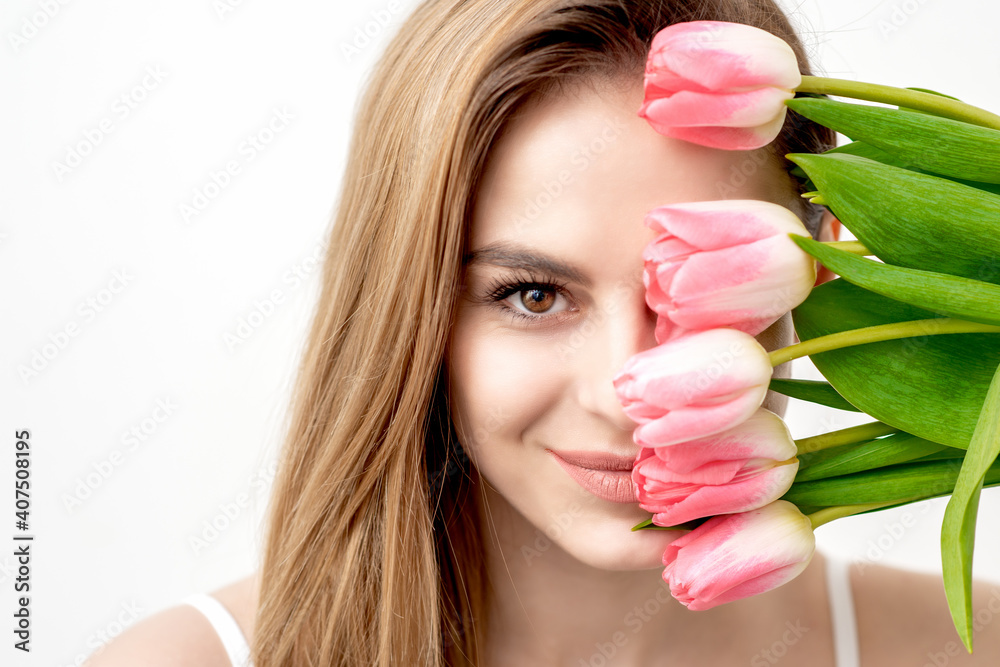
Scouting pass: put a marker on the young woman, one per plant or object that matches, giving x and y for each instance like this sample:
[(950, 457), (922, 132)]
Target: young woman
[(483, 287)]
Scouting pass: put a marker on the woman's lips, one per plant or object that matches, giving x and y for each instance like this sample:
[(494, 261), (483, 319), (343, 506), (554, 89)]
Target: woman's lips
[(609, 476)]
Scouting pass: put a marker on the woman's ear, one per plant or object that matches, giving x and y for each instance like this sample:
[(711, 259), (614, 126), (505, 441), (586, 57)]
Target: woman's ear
[(829, 230)]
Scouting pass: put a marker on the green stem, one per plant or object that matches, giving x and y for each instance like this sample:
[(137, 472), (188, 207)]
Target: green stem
[(856, 247), (933, 326), (846, 436), (828, 514), (912, 99)]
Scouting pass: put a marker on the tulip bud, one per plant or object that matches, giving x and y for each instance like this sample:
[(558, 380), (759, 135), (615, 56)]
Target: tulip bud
[(724, 263), (719, 84), (734, 556), (696, 385), (740, 469)]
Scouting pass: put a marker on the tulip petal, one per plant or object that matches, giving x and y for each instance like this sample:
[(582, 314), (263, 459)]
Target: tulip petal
[(759, 283), (727, 138), (660, 472), (667, 247), (741, 495), (760, 584), (733, 556), (686, 423), (718, 55), (744, 109), (667, 331), (746, 273), (718, 84), (698, 384), (763, 435), (741, 469), (715, 224)]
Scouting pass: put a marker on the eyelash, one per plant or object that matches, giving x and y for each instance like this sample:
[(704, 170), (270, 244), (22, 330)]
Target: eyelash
[(500, 289)]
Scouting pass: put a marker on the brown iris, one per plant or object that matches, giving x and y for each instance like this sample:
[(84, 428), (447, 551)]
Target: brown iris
[(537, 300)]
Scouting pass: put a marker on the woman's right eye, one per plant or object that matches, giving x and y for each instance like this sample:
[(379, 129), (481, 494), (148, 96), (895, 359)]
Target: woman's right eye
[(529, 300), (536, 299)]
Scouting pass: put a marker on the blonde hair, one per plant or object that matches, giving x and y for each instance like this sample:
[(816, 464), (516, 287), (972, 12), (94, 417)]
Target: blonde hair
[(373, 550)]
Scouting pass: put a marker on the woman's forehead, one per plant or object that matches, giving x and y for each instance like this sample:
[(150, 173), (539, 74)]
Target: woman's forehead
[(583, 156)]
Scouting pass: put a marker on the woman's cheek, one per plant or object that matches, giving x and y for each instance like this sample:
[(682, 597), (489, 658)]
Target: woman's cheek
[(504, 384)]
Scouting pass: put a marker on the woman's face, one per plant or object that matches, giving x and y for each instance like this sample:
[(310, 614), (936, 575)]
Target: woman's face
[(554, 304)]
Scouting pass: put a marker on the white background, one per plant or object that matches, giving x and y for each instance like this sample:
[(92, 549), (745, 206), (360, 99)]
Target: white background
[(160, 337)]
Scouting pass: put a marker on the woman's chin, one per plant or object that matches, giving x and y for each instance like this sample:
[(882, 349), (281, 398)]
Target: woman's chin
[(631, 550)]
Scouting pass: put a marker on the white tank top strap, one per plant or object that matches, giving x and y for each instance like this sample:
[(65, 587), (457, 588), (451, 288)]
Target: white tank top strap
[(845, 626), (225, 626)]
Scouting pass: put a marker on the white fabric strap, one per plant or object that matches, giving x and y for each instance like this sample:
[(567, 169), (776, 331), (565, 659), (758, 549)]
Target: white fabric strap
[(225, 626), (845, 625)]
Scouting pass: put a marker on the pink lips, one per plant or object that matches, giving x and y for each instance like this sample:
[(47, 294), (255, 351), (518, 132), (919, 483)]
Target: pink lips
[(605, 475)]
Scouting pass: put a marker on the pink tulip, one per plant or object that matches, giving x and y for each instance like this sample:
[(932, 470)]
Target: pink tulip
[(696, 385), (724, 263), (719, 84), (741, 469), (733, 556)]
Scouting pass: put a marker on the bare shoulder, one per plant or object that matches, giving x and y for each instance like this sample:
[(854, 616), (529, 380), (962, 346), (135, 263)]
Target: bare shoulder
[(903, 619), (180, 636)]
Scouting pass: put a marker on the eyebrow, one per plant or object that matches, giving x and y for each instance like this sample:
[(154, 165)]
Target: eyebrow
[(514, 256)]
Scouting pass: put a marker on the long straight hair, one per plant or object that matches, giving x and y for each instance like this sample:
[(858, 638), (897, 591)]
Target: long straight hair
[(373, 551)]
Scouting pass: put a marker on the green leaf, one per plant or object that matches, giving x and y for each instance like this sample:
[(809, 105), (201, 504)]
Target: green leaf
[(862, 149), (879, 453), (944, 294), (908, 482), (932, 92), (809, 459), (932, 386), (941, 145), (910, 219), (649, 525), (813, 391), (946, 453), (958, 530)]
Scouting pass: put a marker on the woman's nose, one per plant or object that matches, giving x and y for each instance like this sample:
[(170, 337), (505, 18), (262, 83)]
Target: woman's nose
[(623, 326)]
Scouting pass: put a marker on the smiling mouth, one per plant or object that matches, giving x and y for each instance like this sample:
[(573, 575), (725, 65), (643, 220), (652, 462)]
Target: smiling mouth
[(612, 485), (601, 461)]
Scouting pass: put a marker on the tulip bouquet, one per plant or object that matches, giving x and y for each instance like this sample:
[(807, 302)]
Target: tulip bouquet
[(911, 338)]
